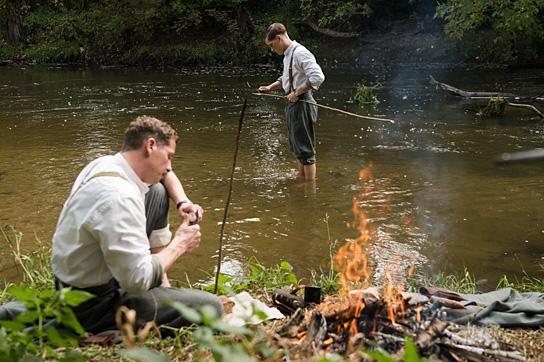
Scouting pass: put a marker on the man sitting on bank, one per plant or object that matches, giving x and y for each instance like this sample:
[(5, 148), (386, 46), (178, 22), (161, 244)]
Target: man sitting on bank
[(101, 243)]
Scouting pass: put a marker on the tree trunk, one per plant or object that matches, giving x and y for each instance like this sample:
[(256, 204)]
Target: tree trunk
[(244, 22), (16, 32)]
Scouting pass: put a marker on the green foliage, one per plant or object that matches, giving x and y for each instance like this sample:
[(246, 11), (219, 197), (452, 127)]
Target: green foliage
[(525, 284), (517, 25), (328, 279), (53, 36), (27, 339), (495, 107), (354, 17), (231, 31), (465, 283), (260, 278), (365, 94), (279, 276), (334, 14), (247, 344), (28, 335), (266, 279), (33, 268)]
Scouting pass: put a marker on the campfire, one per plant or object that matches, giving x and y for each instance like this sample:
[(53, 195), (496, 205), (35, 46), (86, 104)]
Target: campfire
[(364, 317)]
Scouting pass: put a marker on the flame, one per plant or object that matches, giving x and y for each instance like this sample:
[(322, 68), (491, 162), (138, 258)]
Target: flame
[(393, 298), (352, 259)]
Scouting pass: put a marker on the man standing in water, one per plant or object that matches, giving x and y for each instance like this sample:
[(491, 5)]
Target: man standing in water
[(101, 244), (301, 75)]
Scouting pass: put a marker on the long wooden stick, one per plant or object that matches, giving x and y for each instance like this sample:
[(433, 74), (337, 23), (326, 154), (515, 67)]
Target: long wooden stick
[(228, 197), (327, 107)]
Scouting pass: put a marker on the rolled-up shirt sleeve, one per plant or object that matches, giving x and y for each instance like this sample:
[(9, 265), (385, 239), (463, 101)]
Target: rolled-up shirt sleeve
[(311, 69)]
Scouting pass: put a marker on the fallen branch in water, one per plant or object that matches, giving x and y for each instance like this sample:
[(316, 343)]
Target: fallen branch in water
[(500, 96), (528, 106), (465, 94), (327, 107)]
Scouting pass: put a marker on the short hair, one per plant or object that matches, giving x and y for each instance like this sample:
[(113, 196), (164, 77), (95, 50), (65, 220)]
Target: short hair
[(142, 128), (274, 30)]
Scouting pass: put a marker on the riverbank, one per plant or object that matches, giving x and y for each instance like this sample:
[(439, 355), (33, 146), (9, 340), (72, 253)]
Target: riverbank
[(407, 42), (214, 339)]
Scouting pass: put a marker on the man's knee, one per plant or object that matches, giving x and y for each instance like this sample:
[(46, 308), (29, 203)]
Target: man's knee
[(307, 161), (157, 196), (156, 208)]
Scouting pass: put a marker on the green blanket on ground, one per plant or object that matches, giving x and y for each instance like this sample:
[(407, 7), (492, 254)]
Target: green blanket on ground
[(506, 308)]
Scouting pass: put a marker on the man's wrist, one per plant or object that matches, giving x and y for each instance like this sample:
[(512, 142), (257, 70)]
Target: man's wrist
[(186, 201), (297, 94)]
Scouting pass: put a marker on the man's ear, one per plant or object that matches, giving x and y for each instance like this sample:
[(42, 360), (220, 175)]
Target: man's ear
[(150, 144)]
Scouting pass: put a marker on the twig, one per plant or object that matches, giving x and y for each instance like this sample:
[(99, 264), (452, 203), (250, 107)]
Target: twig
[(330, 108), (228, 197), (522, 105)]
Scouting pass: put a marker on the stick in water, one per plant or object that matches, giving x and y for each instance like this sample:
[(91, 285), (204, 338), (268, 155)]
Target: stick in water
[(228, 197), (330, 108)]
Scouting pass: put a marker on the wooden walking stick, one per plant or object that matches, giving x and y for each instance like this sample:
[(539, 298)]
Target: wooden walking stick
[(330, 108), (228, 197)]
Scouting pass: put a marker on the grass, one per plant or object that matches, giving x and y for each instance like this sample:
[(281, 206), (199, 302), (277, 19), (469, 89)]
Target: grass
[(213, 339)]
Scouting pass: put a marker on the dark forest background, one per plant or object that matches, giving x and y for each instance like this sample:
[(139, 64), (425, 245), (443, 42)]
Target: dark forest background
[(230, 32)]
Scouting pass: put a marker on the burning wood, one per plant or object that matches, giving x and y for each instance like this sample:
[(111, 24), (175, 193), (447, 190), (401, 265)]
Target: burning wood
[(346, 326), (372, 319)]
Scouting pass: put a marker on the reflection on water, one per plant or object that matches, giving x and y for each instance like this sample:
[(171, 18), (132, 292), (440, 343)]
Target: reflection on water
[(448, 206)]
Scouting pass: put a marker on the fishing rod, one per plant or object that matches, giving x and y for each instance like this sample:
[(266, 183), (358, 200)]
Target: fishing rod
[(327, 107), (228, 197)]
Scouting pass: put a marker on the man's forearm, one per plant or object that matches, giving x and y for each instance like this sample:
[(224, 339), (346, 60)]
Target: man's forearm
[(174, 188)]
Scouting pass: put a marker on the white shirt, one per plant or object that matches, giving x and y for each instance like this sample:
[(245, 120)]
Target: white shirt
[(101, 230), (305, 68)]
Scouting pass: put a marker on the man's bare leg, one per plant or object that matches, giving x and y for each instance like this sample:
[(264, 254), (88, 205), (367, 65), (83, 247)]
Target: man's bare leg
[(308, 171)]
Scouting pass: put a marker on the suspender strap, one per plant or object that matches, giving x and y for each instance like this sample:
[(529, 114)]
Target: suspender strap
[(100, 174), (291, 70), (106, 173)]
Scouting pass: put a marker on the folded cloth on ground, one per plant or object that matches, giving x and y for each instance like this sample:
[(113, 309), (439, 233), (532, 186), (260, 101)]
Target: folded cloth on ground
[(242, 312), (504, 308)]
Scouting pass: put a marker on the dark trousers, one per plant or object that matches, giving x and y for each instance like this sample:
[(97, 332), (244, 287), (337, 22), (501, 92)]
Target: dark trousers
[(301, 118), (156, 208), (98, 314)]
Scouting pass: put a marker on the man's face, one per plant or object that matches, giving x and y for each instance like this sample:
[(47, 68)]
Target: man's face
[(276, 44), (160, 161)]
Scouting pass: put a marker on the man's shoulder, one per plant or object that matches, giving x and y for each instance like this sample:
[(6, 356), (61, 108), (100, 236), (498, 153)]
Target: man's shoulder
[(107, 168), (108, 164)]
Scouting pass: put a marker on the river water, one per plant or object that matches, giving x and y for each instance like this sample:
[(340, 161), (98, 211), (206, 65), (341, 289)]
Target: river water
[(431, 195)]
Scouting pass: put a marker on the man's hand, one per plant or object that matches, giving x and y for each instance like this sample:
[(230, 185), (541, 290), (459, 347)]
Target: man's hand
[(291, 97), (190, 211), (186, 239)]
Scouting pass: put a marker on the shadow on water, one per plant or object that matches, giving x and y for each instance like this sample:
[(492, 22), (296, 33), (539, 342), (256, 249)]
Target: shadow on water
[(443, 204)]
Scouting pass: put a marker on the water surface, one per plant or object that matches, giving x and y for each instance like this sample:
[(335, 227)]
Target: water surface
[(434, 200)]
